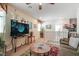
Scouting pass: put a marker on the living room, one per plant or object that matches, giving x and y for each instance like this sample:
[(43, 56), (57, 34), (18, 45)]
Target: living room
[(49, 26)]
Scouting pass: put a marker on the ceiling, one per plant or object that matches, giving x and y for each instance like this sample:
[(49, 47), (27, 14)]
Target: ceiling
[(49, 11)]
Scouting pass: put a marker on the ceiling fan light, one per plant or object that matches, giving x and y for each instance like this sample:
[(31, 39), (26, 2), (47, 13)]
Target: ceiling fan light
[(40, 7)]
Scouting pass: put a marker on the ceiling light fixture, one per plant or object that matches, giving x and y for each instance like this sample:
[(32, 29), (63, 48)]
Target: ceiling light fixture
[(40, 3)]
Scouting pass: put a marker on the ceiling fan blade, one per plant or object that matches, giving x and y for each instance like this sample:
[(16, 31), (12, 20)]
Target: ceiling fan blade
[(28, 3), (52, 3)]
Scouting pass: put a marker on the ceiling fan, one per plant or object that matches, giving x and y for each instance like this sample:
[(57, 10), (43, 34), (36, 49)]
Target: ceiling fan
[(40, 5)]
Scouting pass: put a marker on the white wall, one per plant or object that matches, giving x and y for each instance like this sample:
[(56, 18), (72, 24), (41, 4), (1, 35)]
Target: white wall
[(55, 22), (55, 34)]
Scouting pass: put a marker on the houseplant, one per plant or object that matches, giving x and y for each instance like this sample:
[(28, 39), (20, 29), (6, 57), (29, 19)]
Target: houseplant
[(1, 47)]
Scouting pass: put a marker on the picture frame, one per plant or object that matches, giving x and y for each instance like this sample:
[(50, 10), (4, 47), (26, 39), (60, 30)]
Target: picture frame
[(35, 25), (48, 26)]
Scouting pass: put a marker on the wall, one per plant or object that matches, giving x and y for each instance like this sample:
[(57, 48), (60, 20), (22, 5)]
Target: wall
[(78, 20), (11, 14), (55, 32), (56, 21)]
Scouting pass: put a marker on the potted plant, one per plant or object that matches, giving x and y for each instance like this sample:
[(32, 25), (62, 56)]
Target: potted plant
[(1, 46)]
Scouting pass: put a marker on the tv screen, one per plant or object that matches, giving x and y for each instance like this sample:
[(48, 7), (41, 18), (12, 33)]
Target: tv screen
[(18, 29)]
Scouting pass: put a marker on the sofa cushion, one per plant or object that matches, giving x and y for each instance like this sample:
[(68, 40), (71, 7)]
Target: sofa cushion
[(73, 42)]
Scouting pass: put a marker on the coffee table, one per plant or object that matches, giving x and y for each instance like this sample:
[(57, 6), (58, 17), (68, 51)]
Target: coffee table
[(40, 48)]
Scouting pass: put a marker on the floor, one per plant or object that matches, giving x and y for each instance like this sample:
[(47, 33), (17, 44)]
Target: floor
[(20, 50)]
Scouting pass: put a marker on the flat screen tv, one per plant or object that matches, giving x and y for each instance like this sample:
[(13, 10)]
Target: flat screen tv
[(18, 29)]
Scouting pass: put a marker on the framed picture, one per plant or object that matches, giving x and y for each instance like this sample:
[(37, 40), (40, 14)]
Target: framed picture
[(48, 26), (35, 25)]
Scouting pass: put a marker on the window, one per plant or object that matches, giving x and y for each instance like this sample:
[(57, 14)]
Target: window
[(39, 27), (2, 21), (58, 27)]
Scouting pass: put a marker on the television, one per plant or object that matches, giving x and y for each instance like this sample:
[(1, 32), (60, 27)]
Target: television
[(19, 29)]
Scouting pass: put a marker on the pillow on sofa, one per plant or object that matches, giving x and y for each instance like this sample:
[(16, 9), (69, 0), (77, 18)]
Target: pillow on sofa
[(74, 42)]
